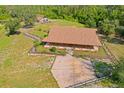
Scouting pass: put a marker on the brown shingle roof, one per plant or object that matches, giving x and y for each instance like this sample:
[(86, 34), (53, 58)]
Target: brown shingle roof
[(73, 35)]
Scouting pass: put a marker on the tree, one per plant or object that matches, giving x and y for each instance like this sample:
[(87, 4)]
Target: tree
[(104, 17), (120, 31), (11, 26), (53, 49), (108, 27), (118, 73), (4, 14), (29, 20)]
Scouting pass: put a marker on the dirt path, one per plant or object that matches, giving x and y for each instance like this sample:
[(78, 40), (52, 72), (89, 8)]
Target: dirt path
[(26, 31), (33, 37)]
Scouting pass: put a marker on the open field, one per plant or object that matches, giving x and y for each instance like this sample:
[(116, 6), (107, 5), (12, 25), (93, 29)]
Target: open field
[(66, 23), (17, 69), (117, 49)]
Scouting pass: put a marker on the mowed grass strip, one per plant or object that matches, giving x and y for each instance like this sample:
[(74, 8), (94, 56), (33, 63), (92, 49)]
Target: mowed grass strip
[(93, 54), (41, 49)]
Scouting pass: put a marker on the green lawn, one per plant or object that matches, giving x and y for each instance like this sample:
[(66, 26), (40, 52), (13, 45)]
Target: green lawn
[(116, 49), (41, 30), (67, 23), (99, 54), (17, 69), (44, 50)]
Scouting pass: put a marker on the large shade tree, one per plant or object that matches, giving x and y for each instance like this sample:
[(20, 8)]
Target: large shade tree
[(11, 26), (120, 31), (108, 27)]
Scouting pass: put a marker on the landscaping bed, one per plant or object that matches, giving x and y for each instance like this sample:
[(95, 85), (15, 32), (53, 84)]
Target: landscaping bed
[(101, 69), (54, 51), (92, 54)]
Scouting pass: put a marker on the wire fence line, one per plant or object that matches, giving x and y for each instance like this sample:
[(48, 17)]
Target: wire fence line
[(109, 53), (85, 83)]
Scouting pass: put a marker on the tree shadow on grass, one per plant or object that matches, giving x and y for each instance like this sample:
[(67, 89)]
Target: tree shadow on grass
[(28, 26), (116, 41), (16, 33)]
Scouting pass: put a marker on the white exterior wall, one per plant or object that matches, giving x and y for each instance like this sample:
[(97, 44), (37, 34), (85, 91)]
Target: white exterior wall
[(95, 48), (85, 49)]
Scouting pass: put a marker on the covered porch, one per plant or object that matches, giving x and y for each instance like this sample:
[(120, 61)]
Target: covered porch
[(72, 46)]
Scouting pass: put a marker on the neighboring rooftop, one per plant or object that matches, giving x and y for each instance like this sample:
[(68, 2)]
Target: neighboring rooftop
[(73, 35)]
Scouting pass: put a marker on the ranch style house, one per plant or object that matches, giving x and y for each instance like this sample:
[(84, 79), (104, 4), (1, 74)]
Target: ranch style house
[(68, 37)]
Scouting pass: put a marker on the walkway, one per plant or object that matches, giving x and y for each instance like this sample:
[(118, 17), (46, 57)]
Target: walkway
[(69, 70)]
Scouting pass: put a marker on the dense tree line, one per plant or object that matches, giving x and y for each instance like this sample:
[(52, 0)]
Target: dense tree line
[(109, 19)]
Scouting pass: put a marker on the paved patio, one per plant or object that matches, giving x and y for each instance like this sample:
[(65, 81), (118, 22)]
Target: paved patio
[(69, 70)]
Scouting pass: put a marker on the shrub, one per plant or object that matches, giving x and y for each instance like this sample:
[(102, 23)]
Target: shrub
[(11, 26), (53, 49), (102, 68), (45, 35), (42, 43), (120, 31), (39, 29), (37, 43)]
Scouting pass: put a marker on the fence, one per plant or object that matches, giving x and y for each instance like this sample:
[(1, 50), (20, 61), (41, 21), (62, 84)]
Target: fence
[(109, 53), (85, 83)]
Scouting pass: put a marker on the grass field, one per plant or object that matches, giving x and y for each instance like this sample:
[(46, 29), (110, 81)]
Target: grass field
[(116, 49), (17, 69), (99, 54), (40, 30), (67, 23)]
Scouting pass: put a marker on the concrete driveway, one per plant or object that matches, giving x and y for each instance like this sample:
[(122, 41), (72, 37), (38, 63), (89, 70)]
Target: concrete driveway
[(68, 70)]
